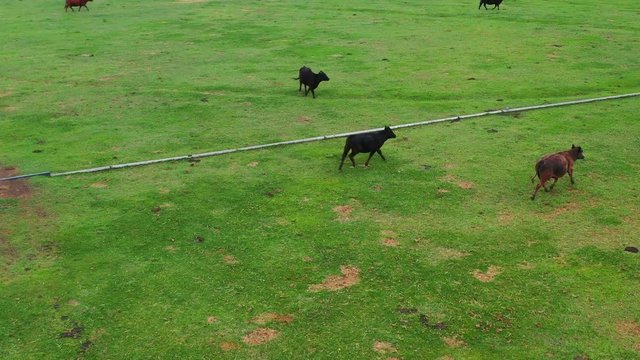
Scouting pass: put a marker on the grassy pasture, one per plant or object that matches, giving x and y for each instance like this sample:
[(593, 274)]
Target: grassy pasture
[(446, 257)]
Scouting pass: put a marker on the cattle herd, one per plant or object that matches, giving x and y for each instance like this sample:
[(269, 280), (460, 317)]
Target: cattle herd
[(552, 166)]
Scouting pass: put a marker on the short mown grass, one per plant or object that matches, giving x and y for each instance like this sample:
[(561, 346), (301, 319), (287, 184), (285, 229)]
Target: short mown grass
[(454, 261)]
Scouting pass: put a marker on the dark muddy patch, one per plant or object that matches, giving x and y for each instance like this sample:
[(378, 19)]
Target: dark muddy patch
[(631, 249), (404, 310), (84, 347), (73, 333)]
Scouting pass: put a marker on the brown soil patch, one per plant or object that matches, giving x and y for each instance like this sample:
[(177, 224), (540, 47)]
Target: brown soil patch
[(212, 319), (100, 184), (303, 119), (628, 328), (170, 248), (449, 166), (383, 347), (231, 260), (73, 303), (505, 218), (307, 259), (13, 189), (390, 242), (491, 273), (253, 164), (5, 93), (343, 212), (228, 346), (270, 317), (449, 254), (525, 265), (443, 191), (260, 336), (563, 209), (460, 183), (350, 276), (453, 341)]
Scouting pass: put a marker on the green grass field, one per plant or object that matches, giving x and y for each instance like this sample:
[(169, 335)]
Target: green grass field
[(442, 253)]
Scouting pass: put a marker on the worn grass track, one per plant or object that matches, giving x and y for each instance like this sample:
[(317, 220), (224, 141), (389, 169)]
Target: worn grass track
[(437, 253)]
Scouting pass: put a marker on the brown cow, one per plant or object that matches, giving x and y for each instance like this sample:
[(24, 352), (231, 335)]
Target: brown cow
[(555, 166), (79, 3)]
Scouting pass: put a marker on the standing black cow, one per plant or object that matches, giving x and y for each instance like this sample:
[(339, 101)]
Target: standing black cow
[(496, 3), (308, 78), (368, 142)]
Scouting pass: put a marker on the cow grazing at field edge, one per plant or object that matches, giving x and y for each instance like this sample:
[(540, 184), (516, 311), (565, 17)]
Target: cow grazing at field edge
[(78, 3), (368, 142), (554, 166), (308, 78), (496, 3)]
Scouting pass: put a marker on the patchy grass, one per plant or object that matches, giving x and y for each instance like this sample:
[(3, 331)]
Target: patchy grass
[(277, 254)]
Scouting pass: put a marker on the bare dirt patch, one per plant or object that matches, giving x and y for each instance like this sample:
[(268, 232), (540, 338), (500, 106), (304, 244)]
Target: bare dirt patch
[(100, 184), (391, 242), (260, 336), (383, 347), (231, 260), (562, 210), (350, 276), (491, 273), (13, 189), (268, 317), (253, 164), (628, 328), (228, 346), (460, 183), (453, 341), (525, 265), (505, 218), (449, 254), (343, 212), (303, 119), (212, 319)]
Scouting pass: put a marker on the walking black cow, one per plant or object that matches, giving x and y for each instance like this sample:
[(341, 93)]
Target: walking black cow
[(309, 79), (368, 142), (496, 3)]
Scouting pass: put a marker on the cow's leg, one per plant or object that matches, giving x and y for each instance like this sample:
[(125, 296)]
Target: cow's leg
[(305, 90), (570, 172), (555, 180), (353, 162), (344, 156), (538, 186), (382, 156), (370, 155), (313, 93)]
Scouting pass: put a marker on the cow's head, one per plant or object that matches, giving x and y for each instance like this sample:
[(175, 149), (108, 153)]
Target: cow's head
[(322, 76), (578, 151), (389, 132)]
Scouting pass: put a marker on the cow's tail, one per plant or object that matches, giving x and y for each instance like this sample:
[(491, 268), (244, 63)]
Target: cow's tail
[(298, 78), (538, 166)]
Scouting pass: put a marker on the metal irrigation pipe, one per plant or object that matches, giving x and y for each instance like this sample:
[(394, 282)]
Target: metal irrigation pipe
[(325, 137)]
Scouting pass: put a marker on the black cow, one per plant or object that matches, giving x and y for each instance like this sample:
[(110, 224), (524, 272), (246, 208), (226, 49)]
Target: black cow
[(496, 3), (308, 78), (368, 142)]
